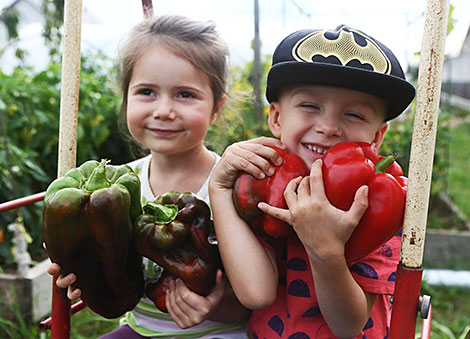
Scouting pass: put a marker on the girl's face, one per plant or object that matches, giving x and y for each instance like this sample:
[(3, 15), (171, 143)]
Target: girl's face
[(170, 103), (311, 119)]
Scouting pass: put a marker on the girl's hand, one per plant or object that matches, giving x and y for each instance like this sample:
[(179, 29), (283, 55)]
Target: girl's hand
[(251, 156), (188, 308), (322, 228), (65, 282)]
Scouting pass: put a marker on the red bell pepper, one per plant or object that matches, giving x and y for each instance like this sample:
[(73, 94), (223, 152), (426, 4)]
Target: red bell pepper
[(173, 231), (348, 166), (249, 191)]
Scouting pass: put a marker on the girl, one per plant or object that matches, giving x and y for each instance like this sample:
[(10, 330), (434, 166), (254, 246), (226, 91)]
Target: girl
[(173, 79)]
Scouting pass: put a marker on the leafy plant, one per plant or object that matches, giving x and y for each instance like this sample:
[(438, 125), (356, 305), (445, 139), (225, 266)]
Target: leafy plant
[(237, 121), (451, 311), (15, 326), (29, 123)]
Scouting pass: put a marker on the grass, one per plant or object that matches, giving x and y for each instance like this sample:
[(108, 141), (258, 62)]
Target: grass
[(458, 174), (455, 180), (84, 325), (451, 312), (451, 319)]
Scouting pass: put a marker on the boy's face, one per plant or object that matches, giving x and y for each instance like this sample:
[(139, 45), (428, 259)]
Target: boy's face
[(310, 119)]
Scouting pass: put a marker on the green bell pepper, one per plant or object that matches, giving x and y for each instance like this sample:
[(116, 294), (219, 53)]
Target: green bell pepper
[(88, 220)]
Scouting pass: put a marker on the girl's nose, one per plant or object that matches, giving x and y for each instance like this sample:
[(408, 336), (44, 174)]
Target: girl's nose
[(164, 110)]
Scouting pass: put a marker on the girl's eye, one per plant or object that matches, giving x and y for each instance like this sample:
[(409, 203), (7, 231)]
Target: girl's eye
[(186, 94), (145, 91)]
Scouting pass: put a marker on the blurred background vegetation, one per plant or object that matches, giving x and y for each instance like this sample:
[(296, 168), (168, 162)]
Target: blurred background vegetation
[(29, 120)]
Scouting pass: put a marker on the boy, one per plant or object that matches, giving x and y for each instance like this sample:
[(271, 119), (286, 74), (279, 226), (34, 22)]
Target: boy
[(324, 87)]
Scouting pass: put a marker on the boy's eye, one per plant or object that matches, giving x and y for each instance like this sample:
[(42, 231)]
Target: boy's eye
[(355, 115), (310, 106)]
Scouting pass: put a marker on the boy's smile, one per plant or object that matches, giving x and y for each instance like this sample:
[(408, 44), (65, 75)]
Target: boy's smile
[(310, 119)]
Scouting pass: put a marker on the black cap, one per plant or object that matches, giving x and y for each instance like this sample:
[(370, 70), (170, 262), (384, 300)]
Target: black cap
[(344, 57)]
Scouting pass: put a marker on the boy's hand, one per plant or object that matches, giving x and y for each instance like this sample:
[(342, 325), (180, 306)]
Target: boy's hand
[(188, 308), (322, 228), (65, 282), (252, 156)]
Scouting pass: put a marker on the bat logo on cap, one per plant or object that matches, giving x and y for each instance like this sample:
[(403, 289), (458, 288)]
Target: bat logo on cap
[(344, 48)]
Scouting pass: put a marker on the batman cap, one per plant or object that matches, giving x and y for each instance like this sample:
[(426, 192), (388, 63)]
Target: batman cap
[(344, 57)]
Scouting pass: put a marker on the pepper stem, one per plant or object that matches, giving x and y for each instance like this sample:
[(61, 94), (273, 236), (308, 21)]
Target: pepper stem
[(164, 214), (385, 163), (97, 179)]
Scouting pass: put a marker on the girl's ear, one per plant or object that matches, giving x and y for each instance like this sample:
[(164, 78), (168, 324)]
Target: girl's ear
[(274, 119), (217, 109), (379, 135)]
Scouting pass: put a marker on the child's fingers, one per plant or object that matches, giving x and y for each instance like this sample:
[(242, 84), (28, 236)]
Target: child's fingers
[(275, 212), (316, 180), (253, 150), (359, 204), (215, 296), (53, 269), (304, 187), (267, 141), (290, 192), (188, 307), (173, 308), (73, 294), (64, 282)]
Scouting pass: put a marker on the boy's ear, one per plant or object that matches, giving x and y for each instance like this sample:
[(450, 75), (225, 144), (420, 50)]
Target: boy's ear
[(379, 135), (274, 119)]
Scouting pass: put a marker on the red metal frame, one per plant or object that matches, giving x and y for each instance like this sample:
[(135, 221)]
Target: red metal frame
[(46, 324), (30, 199), (405, 303), (426, 328)]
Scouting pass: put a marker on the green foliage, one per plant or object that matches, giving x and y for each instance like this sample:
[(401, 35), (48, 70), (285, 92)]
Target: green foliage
[(84, 324), (398, 140), (459, 178), (29, 123), (451, 311), (53, 11), (10, 20), (14, 325), (237, 121)]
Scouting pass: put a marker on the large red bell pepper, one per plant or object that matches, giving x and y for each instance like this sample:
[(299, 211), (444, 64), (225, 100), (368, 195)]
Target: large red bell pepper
[(348, 166), (249, 191)]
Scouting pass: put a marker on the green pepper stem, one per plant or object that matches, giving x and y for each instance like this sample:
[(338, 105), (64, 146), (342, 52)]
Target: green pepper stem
[(164, 214), (97, 179), (385, 163)]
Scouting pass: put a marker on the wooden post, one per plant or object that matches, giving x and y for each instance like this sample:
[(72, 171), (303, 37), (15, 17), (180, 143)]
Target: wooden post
[(67, 139), (420, 170), (256, 73)]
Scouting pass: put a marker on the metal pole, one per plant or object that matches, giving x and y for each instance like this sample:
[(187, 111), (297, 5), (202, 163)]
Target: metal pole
[(420, 170), (60, 328)]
